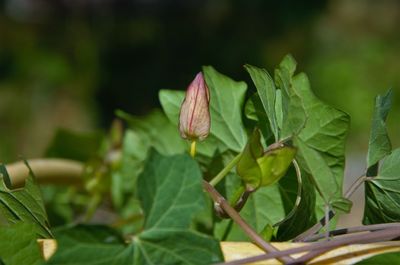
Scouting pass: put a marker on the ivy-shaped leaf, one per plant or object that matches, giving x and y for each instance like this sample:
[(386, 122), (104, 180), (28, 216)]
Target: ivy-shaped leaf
[(18, 245), (382, 193), (24, 205), (90, 245), (171, 193), (322, 141), (170, 190), (226, 102), (379, 143)]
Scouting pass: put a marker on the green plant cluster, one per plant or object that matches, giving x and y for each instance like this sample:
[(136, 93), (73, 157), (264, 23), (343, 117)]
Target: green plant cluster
[(291, 150)]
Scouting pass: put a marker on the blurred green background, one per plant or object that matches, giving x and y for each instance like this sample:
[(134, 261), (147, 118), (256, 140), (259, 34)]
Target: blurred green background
[(70, 63)]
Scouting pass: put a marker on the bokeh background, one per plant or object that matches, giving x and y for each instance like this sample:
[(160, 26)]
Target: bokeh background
[(72, 63)]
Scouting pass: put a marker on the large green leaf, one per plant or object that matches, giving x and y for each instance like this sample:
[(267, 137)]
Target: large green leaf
[(264, 207), (180, 247), (90, 245), (24, 204), (254, 111), (156, 131), (267, 92), (171, 101), (18, 245), (170, 189), (226, 102), (153, 130), (322, 141), (383, 192), (379, 143), (304, 215), (289, 103)]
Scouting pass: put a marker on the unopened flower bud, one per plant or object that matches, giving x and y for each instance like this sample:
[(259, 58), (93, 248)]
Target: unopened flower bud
[(194, 119)]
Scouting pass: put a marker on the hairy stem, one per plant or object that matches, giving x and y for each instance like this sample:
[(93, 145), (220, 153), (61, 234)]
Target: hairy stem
[(220, 200), (225, 170)]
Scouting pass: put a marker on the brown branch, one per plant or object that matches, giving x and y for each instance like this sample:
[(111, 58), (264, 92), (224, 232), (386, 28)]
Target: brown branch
[(386, 234), (220, 200)]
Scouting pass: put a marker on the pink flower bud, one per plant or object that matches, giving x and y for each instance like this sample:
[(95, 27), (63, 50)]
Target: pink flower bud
[(194, 119)]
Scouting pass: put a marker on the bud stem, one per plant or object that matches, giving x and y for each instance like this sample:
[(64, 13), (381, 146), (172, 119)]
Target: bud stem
[(193, 148), (225, 170)]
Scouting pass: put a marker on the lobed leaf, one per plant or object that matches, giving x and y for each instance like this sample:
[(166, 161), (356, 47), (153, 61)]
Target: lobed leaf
[(24, 205), (267, 93), (226, 101), (382, 193), (18, 245)]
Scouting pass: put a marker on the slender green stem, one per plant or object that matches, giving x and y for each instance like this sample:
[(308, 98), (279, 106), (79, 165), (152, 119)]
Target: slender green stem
[(193, 148), (225, 170)]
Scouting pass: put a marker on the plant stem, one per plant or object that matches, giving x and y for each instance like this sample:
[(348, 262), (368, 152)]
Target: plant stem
[(386, 234), (220, 200), (315, 228), (193, 148), (225, 170)]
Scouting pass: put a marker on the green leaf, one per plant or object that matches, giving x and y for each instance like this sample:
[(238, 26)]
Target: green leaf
[(379, 143), (226, 101), (134, 153), (304, 216), (247, 167), (292, 115), (262, 208), (382, 193), (178, 246), (90, 245), (257, 168), (171, 194), (156, 131), (267, 92), (170, 187), (74, 145), (24, 204), (275, 163), (171, 101), (18, 245), (254, 111), (322, 141), (386, 258)]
